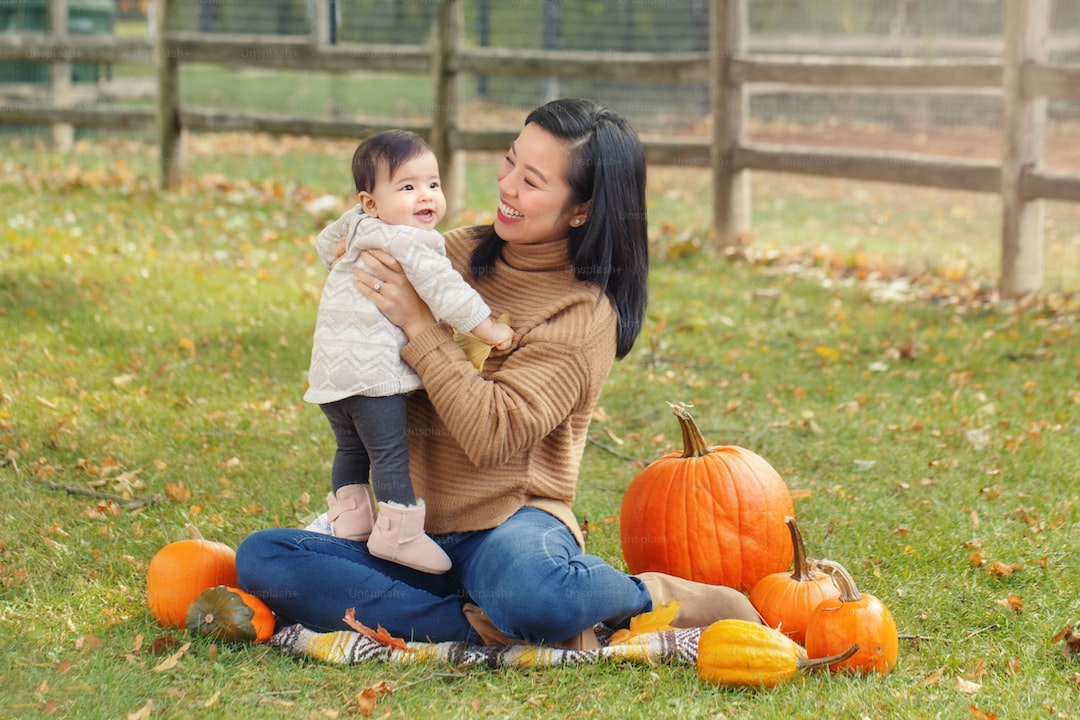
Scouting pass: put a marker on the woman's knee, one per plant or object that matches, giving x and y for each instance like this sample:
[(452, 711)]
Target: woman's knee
[(536, 615), (250, 555)]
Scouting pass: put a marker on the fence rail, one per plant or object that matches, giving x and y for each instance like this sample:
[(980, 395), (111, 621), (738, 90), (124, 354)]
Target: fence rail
[(1024, 79)]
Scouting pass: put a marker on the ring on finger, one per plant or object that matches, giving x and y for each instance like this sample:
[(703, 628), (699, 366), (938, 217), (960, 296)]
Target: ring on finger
[(378, 285)]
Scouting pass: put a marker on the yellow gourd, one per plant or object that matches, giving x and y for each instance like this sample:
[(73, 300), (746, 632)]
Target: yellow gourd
[(738, 652)]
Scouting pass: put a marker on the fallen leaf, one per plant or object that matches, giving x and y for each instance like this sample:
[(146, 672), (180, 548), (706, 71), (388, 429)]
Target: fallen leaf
[(613, 437), (379, 634), (163, 645), (89, 642), (474, 348), (966, 686), (177, 491), (124, 380), (933, 678), (366, 699), (657, 620), (1000, 569), (170, 662), (143, 712), (981, 714), (1013, 602), (1072, 641)]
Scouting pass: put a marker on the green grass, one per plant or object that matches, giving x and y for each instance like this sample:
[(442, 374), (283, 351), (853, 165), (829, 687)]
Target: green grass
[(163, 339)]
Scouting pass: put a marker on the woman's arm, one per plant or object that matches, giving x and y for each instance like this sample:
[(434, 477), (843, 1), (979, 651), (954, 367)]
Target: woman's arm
[(495, 416)]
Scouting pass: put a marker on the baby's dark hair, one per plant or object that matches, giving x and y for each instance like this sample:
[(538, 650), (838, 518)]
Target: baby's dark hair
[(391, 148)]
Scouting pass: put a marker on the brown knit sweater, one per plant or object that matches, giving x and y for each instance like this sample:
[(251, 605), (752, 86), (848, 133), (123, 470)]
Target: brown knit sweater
[(483, 445)]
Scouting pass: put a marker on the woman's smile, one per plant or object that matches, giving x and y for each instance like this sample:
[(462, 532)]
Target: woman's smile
[(507, 213)]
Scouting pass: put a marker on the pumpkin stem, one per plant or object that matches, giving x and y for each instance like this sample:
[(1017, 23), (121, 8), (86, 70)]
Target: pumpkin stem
[(193, 531), (842, 579), (803, 571), (694, 444), (815, 663)]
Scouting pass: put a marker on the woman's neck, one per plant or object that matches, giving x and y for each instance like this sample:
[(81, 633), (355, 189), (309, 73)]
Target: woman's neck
[(551, 255)]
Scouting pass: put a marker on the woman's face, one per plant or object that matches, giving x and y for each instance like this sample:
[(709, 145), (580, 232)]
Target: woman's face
[(534, 196)]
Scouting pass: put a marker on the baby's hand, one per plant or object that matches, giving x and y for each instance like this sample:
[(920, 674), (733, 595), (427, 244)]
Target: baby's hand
[(339, 249), (501, 335)]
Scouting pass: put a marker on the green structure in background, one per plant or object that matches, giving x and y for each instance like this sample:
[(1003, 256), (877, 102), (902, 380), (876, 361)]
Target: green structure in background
[(84, 17)]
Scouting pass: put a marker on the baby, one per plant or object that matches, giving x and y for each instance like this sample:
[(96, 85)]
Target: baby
[(357, 376)]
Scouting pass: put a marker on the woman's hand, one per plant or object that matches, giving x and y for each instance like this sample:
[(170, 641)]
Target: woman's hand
[(392, 292)]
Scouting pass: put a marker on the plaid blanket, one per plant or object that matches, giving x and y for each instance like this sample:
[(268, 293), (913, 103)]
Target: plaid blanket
[(346, 647)]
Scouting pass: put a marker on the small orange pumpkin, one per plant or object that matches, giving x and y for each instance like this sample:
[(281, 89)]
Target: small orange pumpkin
[(183, 569), (785, 600), (854, 617), (710, 514), (230, 614)]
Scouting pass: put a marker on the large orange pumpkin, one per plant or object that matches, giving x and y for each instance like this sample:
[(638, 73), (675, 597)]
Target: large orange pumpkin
[(181, 570), (710, 514), (785, 600)]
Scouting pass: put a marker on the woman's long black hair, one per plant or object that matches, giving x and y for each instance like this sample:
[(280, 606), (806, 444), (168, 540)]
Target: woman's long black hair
[(611, 249)]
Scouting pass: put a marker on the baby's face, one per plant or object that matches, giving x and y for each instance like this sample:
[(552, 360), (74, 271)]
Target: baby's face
[(412, 196)]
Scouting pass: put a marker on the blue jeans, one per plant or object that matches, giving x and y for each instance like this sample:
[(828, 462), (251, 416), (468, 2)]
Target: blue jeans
[(528, 574)]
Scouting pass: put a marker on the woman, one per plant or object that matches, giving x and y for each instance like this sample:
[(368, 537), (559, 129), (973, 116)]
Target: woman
[(496, 454)]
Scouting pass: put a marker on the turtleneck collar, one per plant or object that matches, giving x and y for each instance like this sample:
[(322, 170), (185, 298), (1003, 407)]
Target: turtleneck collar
[(538, 256)]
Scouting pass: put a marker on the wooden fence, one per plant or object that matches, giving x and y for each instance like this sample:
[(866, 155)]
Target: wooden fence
[(1024, 79)]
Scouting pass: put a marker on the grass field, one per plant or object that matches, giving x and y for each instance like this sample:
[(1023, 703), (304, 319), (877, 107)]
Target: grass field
[(153, 362)]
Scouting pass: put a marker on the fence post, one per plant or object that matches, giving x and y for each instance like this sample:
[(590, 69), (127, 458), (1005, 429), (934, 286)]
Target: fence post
[(731, 187), (1027, 25), (322, 27), (168, 100), (60, 90), (445, 111)]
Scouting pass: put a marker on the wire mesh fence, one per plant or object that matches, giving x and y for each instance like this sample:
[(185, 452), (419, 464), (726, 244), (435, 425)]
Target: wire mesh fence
[(844, 28), (904, 28)]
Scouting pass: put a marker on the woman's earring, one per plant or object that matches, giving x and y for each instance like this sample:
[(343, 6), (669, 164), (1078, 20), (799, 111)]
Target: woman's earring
[(576, 222)]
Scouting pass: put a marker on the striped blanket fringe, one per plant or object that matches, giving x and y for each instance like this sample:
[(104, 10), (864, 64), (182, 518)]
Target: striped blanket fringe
[(346, 647)]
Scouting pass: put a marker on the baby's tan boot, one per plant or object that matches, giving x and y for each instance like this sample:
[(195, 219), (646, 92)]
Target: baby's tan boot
[(399, 536), (351, 512)]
